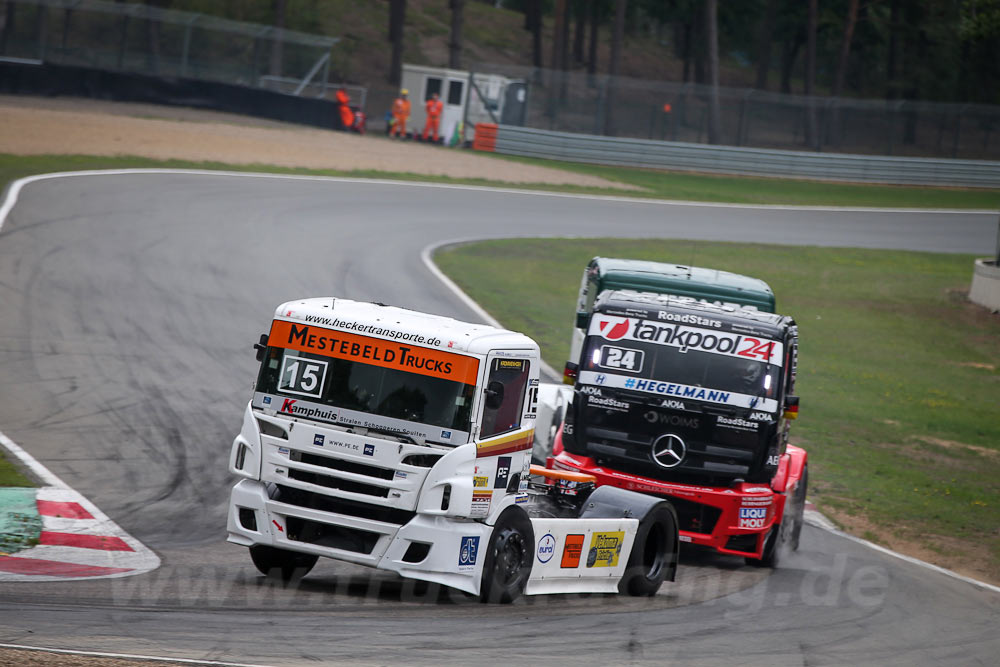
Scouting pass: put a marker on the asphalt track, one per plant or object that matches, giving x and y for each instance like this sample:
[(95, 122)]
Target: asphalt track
[(128, 305)]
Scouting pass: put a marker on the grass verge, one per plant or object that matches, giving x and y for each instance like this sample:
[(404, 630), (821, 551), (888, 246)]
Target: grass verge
[(654, 184), (899, 373)]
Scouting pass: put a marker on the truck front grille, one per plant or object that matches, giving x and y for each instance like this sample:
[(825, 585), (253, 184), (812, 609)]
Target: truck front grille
[(338, 483), (322, 503), (342, 465)]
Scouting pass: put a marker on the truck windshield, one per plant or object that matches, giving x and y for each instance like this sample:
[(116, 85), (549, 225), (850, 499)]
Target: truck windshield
[(635, 360), (367, 390)]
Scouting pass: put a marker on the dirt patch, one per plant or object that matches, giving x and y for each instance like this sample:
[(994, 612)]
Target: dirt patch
[(48, 659), (60, 126), (966, 557), (952, 444)]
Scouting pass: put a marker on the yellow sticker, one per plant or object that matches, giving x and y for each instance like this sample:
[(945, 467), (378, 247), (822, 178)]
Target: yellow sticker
[(605, 549), (480, 482)]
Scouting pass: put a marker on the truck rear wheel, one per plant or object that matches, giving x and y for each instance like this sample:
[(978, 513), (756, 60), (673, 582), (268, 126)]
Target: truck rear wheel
[(654, 546), (508, 557), (280, 563)]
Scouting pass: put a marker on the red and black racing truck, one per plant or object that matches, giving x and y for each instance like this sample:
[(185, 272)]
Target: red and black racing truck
[(690, 398)]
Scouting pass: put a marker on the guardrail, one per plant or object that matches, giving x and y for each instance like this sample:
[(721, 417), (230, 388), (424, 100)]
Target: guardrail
[(676, 156)]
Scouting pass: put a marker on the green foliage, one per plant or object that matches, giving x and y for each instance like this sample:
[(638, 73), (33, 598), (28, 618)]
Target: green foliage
[(899, 375)]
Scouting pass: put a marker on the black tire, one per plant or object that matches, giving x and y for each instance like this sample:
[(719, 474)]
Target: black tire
[(769, 558), (800, 508), (653, 553), (508, 557), (280, 563)]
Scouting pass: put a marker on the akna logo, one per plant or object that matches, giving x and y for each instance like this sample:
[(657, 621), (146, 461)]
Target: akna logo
[(613, 328)]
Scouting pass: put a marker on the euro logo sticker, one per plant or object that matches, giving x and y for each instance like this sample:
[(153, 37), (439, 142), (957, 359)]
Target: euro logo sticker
[(546, 548)]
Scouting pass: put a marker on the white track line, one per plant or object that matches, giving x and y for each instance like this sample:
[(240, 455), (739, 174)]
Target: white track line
[(130, 656), (17, 185), (138, 561)]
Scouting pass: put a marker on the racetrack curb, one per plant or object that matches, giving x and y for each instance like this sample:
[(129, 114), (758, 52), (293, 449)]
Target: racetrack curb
[(77, 541)]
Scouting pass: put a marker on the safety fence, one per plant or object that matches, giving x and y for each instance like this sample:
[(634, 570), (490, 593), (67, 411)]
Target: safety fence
[(677, 156), (620, 106), (165, 43)]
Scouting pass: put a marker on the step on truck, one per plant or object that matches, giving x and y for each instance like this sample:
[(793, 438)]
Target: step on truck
[(689, 397), (402, 441)]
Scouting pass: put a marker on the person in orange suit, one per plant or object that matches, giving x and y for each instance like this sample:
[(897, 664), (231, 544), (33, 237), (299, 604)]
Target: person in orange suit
[(434, 108), (346, 115), (400, 112)]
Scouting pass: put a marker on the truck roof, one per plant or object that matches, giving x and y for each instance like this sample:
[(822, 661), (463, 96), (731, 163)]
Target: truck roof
[(630, 303), (683, 280), (401, 325)]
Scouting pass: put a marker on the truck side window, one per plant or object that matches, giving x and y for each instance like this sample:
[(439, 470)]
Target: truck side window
[(504, 396)]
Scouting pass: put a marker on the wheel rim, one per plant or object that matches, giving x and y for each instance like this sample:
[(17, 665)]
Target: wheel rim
[(510, 557)]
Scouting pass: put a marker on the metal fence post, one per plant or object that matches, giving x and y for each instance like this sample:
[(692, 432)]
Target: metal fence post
[(996, 257), (187, 43)]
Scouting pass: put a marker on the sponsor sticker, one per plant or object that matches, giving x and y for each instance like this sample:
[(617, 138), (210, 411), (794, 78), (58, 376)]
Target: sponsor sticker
[(687, 338), (318, 440), (267, 400), (679, 390), (572, 550), (480, 481), (503, 472), (468, 552), (374, 351), (605, 549), (521, 500), (546, 548), (400, 474), (369, 450), (284, 450), (480, 503), (446, 435), (753, 517)]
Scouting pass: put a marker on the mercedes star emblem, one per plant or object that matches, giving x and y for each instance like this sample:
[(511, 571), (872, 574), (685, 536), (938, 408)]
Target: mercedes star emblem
[(669, 450)]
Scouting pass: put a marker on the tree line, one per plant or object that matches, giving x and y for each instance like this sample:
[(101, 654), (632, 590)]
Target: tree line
[(935, 50)]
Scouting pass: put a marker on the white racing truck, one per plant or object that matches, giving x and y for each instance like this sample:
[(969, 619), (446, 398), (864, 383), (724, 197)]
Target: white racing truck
[(402, 441)]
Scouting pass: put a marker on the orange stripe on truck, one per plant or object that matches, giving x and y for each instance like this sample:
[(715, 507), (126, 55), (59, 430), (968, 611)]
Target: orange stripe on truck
[(505, 444), (374, 351)]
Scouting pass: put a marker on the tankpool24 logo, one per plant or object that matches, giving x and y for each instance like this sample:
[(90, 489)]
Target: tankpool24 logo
[(612, 328)]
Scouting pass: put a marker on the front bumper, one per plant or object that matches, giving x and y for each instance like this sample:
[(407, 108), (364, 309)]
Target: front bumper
[(732, 520), (426, 547)]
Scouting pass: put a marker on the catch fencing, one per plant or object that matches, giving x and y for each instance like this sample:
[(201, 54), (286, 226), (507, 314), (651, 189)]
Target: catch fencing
[(147, 40), (624, 107)]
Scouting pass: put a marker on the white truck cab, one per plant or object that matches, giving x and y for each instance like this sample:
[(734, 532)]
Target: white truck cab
[(402, 441)]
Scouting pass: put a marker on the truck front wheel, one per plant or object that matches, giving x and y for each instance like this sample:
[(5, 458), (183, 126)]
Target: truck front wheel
[(655, 544), (280, 563), (508, 557)]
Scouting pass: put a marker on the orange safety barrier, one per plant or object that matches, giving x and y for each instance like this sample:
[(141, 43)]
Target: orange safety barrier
[(485, 138), (564, 475)]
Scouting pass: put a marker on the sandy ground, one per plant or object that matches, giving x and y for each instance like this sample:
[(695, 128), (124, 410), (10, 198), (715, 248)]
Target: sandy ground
[(67, 126)]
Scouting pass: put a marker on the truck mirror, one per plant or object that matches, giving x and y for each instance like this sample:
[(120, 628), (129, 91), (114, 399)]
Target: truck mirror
[(581, 319), (261, 347), (494, 395), (791, 407), (570, 372)]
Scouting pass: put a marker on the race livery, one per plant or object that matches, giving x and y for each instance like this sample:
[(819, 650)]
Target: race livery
[(689, 399), (402, 441)]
